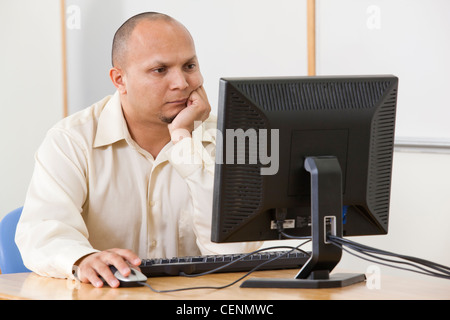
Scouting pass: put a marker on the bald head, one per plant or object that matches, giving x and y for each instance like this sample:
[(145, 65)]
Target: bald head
[(123, 34)]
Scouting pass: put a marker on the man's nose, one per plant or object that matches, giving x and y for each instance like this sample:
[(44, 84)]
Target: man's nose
[(179, 80)]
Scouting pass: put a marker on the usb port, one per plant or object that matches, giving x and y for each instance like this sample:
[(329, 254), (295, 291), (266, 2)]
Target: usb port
[(330, 227)]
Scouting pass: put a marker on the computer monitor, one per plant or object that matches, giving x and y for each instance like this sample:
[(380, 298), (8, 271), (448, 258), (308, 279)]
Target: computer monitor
[(310, 154)]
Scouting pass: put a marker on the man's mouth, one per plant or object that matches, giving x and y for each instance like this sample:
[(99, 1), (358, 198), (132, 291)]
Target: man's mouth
[(179, 101)]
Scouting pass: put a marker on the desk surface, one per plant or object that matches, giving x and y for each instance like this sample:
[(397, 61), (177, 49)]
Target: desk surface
[(32, 286)]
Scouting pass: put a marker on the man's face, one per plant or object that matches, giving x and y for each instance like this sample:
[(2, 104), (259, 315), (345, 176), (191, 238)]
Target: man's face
[(160, 72)]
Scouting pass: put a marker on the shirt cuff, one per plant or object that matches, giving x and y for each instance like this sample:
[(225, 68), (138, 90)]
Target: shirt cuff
[(67, 260)]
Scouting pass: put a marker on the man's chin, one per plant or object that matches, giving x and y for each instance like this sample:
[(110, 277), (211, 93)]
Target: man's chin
[(167, 120), (169, 117)]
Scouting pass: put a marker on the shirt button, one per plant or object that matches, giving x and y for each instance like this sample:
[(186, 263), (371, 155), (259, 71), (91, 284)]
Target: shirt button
[(154, 243)]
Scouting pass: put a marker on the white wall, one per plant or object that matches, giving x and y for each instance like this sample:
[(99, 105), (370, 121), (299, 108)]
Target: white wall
[(233, 38), (401, 37), (31, 101), (30, 89)]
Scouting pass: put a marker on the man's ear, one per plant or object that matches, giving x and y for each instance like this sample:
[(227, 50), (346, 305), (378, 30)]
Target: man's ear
[(117, 78)]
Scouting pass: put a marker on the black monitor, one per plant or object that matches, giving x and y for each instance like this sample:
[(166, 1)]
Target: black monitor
[(312, 155)]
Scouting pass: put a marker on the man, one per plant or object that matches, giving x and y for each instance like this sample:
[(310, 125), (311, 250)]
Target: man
[(108, 185)]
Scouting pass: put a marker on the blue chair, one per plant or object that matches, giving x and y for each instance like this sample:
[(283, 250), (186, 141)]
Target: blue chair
[(10, 258)]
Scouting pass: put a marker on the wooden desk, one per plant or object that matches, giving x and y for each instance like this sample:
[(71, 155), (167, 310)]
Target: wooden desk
[(32, 286)]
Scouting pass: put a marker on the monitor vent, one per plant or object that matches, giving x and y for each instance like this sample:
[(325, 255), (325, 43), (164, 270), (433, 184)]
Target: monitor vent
[(243, 183), (380, 162), (240, 114), (242, 200), (315, 95)]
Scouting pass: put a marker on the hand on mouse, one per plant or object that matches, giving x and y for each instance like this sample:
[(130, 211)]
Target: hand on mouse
[(96, 265), (197, 109)]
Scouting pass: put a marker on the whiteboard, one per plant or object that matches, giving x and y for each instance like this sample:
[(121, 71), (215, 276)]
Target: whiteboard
[(233, 38), (407, 38)]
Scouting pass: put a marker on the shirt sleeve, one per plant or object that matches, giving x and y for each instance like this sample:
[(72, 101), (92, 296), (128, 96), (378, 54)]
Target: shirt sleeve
[(193, 158), (51, 234)]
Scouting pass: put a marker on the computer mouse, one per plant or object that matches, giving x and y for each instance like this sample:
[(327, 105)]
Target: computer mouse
[(135, 278)]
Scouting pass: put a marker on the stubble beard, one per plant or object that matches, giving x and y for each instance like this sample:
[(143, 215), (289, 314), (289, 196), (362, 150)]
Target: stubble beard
[(166, 119)]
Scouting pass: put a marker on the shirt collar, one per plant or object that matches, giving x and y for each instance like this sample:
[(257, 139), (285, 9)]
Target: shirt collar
[(111, 126)]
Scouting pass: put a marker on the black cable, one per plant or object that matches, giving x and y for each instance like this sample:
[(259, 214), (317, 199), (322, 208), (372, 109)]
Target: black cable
[(237, 280), (249, 254), (425, 272), (422, 265), (362, 248), (413, 263), (440, 271), (288, 236)]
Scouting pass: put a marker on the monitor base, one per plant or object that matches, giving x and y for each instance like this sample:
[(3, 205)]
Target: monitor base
[(334, 281)]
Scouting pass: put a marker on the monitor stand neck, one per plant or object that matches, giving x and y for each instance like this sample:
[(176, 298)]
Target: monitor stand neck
[(326, 218)]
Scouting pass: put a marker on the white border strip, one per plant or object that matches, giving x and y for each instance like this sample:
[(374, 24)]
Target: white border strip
[(422, 145)]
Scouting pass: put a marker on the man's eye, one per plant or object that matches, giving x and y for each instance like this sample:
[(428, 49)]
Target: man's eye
[(159, 70), (191, 66)]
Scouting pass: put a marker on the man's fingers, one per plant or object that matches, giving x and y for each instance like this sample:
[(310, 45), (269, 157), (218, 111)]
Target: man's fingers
[(199, 99), (129, 256), (104, 271), (96, 265), (89, 275)]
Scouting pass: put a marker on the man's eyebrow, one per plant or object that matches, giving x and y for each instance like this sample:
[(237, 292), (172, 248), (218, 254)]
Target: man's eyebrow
[(154, 63), (158, 62), (193, 58)]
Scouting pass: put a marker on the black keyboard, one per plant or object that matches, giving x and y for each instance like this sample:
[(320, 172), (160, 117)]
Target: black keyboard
[(200, 264)]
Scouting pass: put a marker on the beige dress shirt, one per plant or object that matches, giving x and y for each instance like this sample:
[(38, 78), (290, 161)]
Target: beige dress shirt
[(93, 188)]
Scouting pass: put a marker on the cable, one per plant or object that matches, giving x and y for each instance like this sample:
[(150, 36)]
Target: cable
[(413, 261), (249, 254), (237, 280), (371, 254), (288, 236)]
